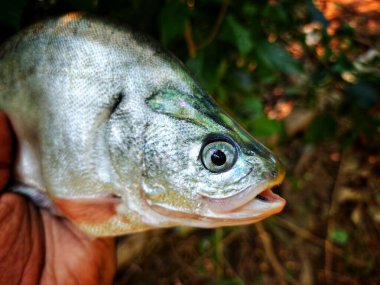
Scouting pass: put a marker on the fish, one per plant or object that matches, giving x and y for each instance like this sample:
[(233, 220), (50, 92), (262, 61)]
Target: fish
[(115, 134)]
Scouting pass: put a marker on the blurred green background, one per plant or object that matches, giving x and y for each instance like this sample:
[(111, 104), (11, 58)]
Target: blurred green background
[(304, 78)]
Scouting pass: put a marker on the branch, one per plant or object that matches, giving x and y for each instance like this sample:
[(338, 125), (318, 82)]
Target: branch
[(267, 243), (191, 45), (214, 32)]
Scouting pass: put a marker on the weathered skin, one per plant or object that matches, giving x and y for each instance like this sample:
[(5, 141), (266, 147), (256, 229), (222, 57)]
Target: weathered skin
[(118, 135)]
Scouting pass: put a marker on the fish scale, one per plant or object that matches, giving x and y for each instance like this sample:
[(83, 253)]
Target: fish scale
[(112, 133)]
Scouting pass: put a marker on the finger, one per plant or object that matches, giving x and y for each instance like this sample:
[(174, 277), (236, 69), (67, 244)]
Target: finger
[(82, 260), (21, 241), (5, 150)]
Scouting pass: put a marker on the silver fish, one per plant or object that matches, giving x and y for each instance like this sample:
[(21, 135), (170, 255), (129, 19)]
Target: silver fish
[(115, 134)]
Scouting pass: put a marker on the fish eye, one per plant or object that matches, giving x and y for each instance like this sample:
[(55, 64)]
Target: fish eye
[(218, 155)]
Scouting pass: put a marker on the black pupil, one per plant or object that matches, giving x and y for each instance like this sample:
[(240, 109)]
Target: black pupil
[(218, 157)]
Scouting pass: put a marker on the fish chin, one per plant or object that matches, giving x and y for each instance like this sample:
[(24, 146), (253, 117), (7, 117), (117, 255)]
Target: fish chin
[(262, 205), (250, 205), (223, 205)]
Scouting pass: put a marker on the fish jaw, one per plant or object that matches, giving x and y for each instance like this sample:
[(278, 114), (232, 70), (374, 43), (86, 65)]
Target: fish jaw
[(250, 196), (251, 205), (229, 212), (248, 213)]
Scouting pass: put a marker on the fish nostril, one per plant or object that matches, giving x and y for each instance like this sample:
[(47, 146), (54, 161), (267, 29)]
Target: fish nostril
[(274, 173)]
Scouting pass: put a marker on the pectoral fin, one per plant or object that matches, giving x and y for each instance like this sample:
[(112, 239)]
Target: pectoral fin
[(88, 211)]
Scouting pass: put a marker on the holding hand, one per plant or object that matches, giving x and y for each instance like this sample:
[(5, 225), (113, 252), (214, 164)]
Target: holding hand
[(39, 248)]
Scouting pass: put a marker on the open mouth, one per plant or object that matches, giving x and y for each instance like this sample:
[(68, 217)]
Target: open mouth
[(260, 196), (267, 196), (250, 205)]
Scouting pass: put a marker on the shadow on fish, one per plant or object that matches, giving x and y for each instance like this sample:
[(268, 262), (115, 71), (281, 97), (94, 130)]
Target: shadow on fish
[(116, 135)]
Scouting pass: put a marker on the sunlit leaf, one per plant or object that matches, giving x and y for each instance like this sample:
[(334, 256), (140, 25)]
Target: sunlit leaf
[(264, 127)]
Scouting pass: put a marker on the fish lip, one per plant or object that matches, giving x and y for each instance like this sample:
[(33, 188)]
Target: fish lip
[(251, 212), (238, 201), (248, 213), (247, 197), (217, 212), (273, 204)]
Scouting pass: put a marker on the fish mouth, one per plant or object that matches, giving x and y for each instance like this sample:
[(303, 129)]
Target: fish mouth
[(249, 206), (259, 195), (252, 204)]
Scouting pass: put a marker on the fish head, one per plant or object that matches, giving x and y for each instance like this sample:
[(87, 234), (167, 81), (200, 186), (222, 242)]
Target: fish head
[(201, 168)]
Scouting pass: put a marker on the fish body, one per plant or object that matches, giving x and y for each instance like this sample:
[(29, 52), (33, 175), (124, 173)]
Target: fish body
[(116, 135)]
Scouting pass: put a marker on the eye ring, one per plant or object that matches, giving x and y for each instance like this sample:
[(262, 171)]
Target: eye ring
[(218, 153)]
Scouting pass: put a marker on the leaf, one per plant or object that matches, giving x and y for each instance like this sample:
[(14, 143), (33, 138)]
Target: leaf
[(322, 128), (242, 80), (249, 9), (253, 107), (277, 13), (236, 34), (276, 58), (208, 69), (196, 65), (172, 22), (339, 236), (265, 127), (316, 14), (363, 94)]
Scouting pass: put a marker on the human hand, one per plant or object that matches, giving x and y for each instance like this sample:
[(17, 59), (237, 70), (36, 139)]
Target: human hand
[(39, 248)]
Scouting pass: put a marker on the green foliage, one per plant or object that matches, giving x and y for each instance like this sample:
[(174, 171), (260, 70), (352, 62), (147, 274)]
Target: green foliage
[(362, 94), (264, 127), (172, 21), (236, 34), (275, 58), (322, 128), (339, 236), (241, 51)]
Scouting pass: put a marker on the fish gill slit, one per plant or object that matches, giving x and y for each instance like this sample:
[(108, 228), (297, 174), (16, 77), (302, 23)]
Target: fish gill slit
[(118, 99)]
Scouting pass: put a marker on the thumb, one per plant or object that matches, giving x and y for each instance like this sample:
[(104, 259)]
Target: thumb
[(6, 150)]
